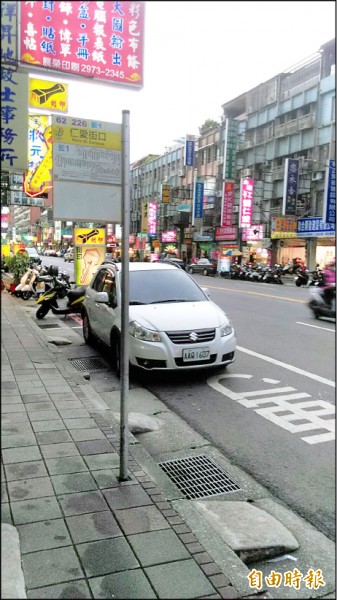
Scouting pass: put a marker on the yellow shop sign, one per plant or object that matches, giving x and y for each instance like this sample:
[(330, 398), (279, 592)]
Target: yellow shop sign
[(48, 94), (87, 236)]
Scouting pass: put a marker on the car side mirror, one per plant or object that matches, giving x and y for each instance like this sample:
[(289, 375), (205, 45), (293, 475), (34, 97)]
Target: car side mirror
[(102, 297)]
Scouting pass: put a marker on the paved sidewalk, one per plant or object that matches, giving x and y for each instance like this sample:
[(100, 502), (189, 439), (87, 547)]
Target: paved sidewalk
[(82, 533)]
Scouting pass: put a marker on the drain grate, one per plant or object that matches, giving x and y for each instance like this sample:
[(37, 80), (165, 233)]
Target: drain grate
[(88, 364), (199, 477), (48, 325)]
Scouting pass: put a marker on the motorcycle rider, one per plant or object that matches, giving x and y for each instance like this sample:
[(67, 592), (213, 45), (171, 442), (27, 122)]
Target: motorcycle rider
[(329, 289)]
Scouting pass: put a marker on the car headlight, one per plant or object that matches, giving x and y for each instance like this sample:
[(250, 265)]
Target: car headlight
[(141, 333), (226, 329)]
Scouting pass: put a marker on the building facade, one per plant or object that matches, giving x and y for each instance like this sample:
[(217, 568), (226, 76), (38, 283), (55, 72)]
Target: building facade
[(290, 117)]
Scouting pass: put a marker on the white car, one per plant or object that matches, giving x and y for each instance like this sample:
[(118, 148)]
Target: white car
[(173, 325)]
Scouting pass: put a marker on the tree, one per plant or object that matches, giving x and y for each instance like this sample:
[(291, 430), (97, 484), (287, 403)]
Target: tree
[(209, 124)]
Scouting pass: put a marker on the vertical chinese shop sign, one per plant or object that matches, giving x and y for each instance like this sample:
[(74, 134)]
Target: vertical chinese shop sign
[(227, 203), (101, 40), (14, 96), (290, 186), (246, 202)]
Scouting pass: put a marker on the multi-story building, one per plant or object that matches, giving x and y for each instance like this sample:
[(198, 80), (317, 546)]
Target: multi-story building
[(291, 116)]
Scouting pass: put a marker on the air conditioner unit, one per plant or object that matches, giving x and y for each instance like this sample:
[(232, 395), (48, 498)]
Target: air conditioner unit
[(247, 172), (181, 173), (317, 176), (236, 208)]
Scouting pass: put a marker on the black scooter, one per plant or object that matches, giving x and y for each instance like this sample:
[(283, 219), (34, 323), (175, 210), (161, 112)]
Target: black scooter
[(61, 289), (319, 306)]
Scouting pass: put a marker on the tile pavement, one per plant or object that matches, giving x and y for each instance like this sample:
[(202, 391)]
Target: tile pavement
[(83, 533)]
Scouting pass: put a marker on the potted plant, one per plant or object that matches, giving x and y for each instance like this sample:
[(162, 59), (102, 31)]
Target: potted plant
[(17, 265)]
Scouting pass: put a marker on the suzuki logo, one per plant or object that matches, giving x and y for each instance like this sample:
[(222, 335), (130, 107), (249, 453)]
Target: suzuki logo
[(193, 336)]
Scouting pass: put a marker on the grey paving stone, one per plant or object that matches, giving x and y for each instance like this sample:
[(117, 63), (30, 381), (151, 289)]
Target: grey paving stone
[(56, 425), (58, 450), (157, 547), (79, 423), (85, 502), (8, 385), (4, 495), (44, 415), (140, 520), (74, 482), (74, 589), (95, 526), (53, 437), (6, 516), (97, 462), (60, 564), (63, 397), (183, 579), (73, 413), (18, 455), (13, 428), (57, 389), (43, 535), (94, 447), (18, 440), (13, 408), (106, 478), (106, 556), (24, 489), (39, 509), (127, 497), (127, 584), (69, 464), (25, 470), (80, 435), (35, 406), (38, 397), (11, 399)]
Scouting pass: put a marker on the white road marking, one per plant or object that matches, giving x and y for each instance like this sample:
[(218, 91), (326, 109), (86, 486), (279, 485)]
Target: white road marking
[(267, 380), (315, 326), (309, 411), (286, 366)]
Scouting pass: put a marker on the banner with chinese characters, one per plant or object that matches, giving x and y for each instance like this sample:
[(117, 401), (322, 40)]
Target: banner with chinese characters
[(329, 202), (152, 218), (38, 177), (290, 186), (314, 227), (169, 236), (231, 134), (48, 95), (198, 201), (189, 151), (165, 193), (227, 203), (14, 114), (253, 233), (101, 40), (282, 227), (246, 202)]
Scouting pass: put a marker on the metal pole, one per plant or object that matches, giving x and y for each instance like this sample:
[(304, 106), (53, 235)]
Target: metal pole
[(123, 468)]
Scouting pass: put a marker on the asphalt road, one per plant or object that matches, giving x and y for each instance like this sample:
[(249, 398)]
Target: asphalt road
[(272, 411)]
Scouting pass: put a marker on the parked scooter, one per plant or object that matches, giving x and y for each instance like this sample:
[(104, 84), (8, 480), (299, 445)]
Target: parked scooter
[(60, 290), (317, 303), (31, 284)]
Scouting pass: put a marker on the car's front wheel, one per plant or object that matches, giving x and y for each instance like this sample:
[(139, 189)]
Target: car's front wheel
[(87, 333), (190, 270), (205, 272)]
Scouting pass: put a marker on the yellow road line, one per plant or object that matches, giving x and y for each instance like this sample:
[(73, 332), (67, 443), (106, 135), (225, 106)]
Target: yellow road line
[(256, 294)]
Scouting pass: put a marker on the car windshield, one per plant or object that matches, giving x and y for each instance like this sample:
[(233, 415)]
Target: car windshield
[(159, 286), (31, 251)]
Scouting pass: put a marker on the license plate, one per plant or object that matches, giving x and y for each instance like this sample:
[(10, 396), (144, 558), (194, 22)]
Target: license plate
[(190, 355)]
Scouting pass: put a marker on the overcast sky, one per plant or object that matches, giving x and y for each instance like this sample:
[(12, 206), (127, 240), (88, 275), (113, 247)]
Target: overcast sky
[(199, 55)]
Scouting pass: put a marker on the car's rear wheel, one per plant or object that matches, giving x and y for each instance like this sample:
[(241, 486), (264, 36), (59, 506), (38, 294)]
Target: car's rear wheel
[(190, 270), (205, 272), (87, 333)]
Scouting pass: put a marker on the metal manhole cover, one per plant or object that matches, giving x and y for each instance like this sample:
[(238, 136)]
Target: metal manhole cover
[(199, 477), (88, 364), (48, 325)]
